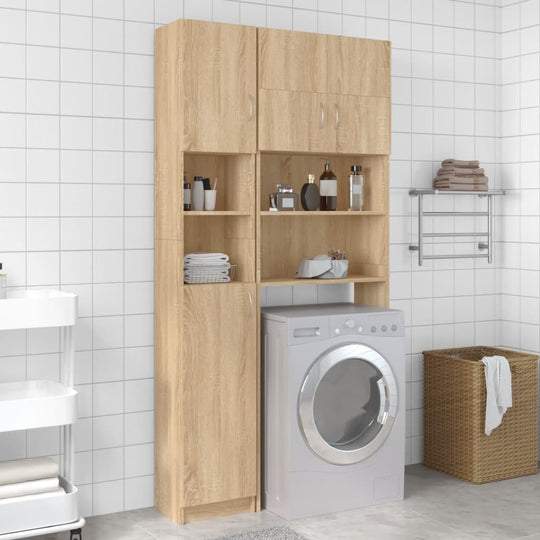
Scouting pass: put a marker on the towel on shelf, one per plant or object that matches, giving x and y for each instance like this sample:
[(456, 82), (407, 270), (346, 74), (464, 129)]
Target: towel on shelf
[(206, 270), (473, 164), (207, 279), (31, 487), (21, 498), (455, 186), (498, 390), (23, 470), (209, 263), (460, 171), (194, 258)]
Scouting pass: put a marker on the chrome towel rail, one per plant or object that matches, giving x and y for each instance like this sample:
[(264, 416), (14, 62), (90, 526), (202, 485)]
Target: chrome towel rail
[(487, 246)]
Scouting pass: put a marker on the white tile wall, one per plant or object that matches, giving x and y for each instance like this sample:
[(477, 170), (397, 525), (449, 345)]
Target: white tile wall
[(76, 194)]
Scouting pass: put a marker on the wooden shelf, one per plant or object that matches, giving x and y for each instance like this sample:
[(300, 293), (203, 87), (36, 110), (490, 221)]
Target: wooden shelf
[(303, 213), (275, 282), (192, 213)]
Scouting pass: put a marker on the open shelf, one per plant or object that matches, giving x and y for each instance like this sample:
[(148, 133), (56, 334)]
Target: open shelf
[(236, 177), (293, 169), (36, 404), (300, 281), (302, 213)]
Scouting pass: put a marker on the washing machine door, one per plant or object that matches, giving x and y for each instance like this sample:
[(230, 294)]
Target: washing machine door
[(347, 404)]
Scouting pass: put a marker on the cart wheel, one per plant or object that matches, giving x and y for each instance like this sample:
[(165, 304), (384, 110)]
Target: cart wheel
[(76, 535)]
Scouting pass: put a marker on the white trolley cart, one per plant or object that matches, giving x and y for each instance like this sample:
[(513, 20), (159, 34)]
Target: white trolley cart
[(38, 404)]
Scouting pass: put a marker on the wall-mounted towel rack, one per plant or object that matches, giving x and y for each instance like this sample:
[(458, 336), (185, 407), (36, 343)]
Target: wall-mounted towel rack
[(486, 246)]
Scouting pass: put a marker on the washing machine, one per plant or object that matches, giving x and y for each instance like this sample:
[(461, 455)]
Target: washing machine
[(334, 408)]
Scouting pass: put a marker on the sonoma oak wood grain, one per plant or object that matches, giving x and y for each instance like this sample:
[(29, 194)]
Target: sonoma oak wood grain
[(220, 509), (219, 403)]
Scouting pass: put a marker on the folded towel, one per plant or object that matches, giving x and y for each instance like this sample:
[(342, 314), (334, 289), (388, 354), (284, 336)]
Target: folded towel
[(469, 179), (459, 163), (23, 470), (194, 257), (55, 493), (206, 264), (498, 390), (206, 271), (207, 279), (29, 488), (460, 171), (445, 186)]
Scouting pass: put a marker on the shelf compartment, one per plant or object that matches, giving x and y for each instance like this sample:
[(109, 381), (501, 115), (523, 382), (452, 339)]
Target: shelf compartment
[(36, 404), (286, 241), (235, 173), (233, 235), (313, 281), (37, 308), (20, 516), (303, 213), (293, 169)]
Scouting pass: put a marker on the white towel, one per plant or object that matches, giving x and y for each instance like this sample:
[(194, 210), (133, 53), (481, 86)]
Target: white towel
[(498, 390), (55, 493), (207, 279), (194, 257), (23, 470), (29, 488)]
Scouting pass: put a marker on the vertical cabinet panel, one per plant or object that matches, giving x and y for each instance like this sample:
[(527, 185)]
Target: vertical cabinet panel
[(292, 121), (219, 395), (358, 125), (358, 67), (292, 60), (218, 86)]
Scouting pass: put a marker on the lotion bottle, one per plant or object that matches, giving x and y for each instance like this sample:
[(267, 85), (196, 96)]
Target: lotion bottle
[(198, 194), (328, 188), (356, 188)]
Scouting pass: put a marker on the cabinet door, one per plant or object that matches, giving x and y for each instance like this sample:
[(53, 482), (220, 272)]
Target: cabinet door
[(358, 125), (359, 67), (218, 81), (292, 121), (292, 60), (219, 388)]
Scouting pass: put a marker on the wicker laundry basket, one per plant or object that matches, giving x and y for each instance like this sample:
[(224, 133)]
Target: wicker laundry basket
[(454, 416)]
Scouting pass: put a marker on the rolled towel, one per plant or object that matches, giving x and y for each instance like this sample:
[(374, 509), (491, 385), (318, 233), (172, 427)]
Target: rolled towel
[(471, 179), (460, 171), (461, 187), (498, 390), (23, 470), (29, 488), (473, 164)]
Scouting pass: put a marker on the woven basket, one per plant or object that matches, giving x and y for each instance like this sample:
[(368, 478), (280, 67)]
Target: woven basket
[(454, 416)]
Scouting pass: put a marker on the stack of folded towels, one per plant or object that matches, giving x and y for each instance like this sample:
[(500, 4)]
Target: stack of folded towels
[(206, 268), (456, 175), (36, 477)]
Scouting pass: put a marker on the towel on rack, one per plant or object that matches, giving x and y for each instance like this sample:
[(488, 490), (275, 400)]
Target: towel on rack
[(456, 186), (498, 390), (473, 164), (29, 488), (55, 493), (23, 470), (460, 171), (470, 179)]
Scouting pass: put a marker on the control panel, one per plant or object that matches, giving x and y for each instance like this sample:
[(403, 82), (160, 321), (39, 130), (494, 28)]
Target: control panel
[(384, 324)]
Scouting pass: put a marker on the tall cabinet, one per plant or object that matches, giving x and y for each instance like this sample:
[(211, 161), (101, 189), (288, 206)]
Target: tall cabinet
[(254, 107)]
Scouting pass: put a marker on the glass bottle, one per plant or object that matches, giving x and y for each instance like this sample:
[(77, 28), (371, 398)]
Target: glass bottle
[(356, 188), (187, 195), (328, 188)]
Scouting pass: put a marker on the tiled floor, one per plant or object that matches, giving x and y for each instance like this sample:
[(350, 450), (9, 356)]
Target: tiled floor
[(436, 507)]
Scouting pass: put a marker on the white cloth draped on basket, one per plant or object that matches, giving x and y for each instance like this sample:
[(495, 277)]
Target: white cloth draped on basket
[(498, 390)]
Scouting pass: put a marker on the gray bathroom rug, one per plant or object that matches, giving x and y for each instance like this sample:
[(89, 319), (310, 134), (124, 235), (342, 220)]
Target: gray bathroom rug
[(272, 533)]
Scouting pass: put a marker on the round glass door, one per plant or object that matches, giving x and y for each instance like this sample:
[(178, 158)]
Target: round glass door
[(347, 404)]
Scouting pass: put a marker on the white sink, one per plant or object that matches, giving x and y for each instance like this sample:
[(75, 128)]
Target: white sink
[(37, 308)]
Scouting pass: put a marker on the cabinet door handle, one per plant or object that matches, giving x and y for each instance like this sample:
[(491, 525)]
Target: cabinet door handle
[(250, 314), (322, 115), (250, 114), (336, 119)]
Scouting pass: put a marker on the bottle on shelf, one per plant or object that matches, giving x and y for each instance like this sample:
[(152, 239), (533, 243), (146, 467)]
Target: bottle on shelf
[(187, 195), (356, 188), (198, 193), (310, 196), (328, 188)]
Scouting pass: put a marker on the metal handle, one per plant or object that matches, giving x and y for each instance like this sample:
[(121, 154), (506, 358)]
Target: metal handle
[(322, 115), (250, 305), (250, 115), (336, 112)]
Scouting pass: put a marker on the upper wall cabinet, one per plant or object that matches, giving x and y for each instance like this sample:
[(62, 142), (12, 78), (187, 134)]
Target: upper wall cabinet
[(321, 93), (218, 85)]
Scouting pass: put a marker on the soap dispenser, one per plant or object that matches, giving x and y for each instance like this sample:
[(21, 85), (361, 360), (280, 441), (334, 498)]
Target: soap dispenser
[(310, 195), (328, 188)]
